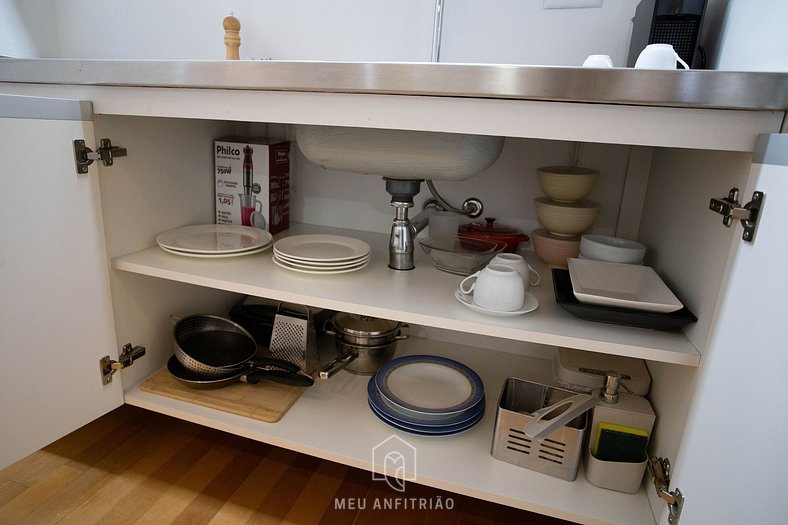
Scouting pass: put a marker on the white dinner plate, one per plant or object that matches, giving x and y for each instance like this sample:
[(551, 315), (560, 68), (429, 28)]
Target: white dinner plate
[(623, 285), (423, 418), (321, 248), (218, 255), (320, 264), (422, 421), (214, 238), (323, 271), (530, 304)]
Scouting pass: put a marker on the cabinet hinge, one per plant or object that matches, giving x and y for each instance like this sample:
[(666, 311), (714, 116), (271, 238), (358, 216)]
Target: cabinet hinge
[(731, 209), (108, 366), (659, 469), (84, 156)]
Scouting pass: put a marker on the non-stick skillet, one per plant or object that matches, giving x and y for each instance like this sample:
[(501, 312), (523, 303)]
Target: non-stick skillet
[(289, 376)]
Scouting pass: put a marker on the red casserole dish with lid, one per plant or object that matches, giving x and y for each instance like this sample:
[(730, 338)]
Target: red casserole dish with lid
[(509, 237)]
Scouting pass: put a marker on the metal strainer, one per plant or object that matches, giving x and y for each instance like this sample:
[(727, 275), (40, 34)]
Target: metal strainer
[(211, 345)]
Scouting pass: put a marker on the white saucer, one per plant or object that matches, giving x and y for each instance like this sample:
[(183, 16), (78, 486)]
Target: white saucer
[(530, 304)]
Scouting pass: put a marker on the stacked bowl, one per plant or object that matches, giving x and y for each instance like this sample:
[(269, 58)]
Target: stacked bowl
[(564, 212)]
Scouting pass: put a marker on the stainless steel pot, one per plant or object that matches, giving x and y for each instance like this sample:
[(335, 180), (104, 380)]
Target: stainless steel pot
[(363, 343)]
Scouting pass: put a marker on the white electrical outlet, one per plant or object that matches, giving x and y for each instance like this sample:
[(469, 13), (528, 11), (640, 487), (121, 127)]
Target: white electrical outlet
[(571, 4)]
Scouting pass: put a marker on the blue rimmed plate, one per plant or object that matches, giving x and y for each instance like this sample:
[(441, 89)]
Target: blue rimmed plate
[(391, 414), (428, 431), (428, 385)]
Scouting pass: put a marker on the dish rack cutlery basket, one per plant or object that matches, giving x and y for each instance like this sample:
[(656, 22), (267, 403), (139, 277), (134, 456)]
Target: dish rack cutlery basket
[(293, 337), (558, 454)]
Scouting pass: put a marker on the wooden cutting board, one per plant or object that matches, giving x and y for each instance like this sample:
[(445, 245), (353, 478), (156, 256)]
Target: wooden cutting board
[(266, 401)]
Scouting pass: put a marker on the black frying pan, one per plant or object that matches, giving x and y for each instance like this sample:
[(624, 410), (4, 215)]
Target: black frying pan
[(288, 374)]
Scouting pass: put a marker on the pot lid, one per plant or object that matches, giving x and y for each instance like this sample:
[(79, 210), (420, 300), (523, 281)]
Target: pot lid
[(489, 228), (364, 326)]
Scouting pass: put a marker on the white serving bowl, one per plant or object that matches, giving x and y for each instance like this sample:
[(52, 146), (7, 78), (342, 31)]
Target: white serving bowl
[(611, 249), (566, 183), (566, 218)]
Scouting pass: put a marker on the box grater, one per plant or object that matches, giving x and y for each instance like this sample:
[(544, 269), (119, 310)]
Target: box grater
[(293, 337), (558, 454)]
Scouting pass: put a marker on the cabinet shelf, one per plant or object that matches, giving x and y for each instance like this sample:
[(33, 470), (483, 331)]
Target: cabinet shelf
[(318, 424), (423, 296)]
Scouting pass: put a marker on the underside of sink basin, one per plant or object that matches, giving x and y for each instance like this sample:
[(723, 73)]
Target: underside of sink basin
[(399, 154)]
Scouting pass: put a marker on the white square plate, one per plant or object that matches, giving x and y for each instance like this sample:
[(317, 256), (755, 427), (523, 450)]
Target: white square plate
[(622, 285)]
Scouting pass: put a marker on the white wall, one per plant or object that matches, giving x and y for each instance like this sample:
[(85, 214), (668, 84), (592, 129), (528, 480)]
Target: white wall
[(28, 29), (738, 34), (754, 36), (513, 31), (350, 30), (524, 32)]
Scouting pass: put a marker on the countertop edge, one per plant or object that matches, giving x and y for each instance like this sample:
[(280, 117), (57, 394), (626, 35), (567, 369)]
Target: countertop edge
[(694, 88)]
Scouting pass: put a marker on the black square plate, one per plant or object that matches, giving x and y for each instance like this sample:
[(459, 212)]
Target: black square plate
[(565, 297)]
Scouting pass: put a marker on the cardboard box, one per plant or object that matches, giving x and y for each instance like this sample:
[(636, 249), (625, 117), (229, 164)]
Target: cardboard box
[(252, 182)]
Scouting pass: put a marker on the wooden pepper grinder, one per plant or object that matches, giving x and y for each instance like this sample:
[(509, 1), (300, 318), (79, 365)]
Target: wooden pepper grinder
[(232, 37)]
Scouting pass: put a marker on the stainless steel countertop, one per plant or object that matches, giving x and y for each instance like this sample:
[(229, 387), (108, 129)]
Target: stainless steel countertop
[(693, 88)]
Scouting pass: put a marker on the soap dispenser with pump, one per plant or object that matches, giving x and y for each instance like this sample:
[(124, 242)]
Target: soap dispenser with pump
[(621, 424)]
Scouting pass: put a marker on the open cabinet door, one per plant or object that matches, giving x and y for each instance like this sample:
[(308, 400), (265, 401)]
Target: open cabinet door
[(732, 466), (56, 321)]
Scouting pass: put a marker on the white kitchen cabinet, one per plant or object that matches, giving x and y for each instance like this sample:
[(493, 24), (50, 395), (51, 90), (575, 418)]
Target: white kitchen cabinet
[(166, 181), (56, 308), (742, 380)]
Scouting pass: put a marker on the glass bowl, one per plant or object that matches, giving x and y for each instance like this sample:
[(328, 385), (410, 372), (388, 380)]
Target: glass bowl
[(459, 255)]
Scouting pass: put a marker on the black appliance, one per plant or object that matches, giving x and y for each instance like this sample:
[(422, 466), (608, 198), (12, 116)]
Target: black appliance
[(674, 22)]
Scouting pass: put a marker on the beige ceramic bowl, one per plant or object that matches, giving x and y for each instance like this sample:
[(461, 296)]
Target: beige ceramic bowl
[(566, 183), (566, 218), (555, 249)]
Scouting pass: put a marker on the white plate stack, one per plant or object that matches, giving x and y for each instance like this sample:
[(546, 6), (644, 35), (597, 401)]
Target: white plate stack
[(321, 254), (214, 240), (427, 395)]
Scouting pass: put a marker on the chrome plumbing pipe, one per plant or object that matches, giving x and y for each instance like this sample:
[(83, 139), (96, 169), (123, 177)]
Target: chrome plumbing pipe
[(402, 240)]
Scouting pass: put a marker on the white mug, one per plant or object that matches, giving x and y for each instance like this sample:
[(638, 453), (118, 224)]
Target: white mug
[(659, 56), (523, 268), (598, 61), (495, 287)]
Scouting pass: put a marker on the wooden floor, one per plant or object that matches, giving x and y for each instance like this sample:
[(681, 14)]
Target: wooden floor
[(133, 466)]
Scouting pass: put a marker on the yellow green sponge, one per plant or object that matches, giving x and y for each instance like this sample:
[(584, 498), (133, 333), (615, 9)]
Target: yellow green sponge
[(620, 443)]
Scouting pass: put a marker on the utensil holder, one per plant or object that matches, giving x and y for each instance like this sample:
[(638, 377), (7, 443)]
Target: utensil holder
[(614, 475), (293, 337), (558, 454)]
